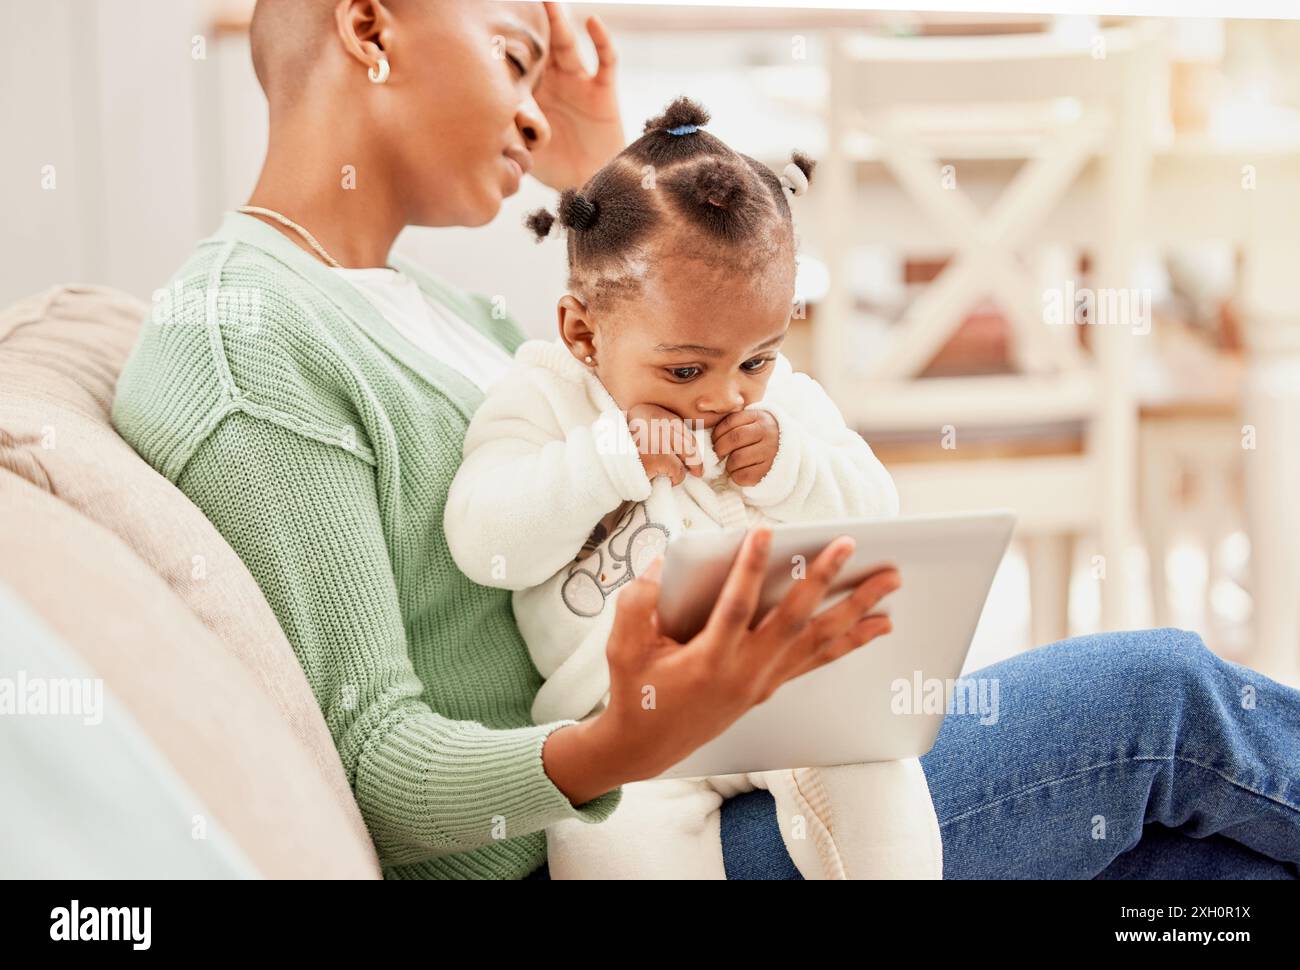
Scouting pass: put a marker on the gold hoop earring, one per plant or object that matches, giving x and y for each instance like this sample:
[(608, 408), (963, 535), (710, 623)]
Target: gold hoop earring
[(379, 73)]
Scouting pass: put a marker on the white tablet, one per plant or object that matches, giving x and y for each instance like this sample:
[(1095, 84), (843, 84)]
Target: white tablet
[(881, 702)]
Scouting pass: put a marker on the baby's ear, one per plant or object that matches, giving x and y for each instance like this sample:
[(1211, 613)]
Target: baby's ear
[(575, 328)]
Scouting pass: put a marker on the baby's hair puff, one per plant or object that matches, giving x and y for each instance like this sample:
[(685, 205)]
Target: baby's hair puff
[(737, 205)]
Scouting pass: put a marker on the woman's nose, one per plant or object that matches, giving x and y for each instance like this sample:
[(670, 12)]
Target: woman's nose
[(533, 125)]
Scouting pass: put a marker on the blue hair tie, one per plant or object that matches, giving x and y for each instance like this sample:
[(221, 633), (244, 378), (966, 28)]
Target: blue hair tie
[(683, 129)]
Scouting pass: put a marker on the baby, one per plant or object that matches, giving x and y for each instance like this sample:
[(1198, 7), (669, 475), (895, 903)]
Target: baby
[(666, 405)]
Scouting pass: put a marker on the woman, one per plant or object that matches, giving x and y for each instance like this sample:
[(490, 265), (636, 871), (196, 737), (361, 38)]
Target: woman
[(312, 399)]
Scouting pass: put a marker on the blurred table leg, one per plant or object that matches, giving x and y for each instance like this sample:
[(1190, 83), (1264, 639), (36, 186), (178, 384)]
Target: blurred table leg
[(1049, 558), (1271, 437)]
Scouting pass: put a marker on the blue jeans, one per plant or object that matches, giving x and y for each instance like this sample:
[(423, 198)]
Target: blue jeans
[(1139, 755)]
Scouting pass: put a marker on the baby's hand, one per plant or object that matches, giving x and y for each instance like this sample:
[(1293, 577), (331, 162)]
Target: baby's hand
[(666, 445), (747, 440)]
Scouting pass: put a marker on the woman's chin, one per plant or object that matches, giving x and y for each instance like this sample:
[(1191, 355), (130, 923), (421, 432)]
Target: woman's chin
[(494, 198), (483, 219), (484, 209), (476, 206)]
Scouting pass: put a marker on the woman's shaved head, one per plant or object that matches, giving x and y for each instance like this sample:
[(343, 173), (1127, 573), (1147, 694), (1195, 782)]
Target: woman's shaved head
[(459, 95), (287, 37)]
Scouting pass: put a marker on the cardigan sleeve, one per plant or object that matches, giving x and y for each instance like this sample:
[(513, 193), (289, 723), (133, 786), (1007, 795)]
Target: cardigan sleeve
[(823, 469), (427, 785)]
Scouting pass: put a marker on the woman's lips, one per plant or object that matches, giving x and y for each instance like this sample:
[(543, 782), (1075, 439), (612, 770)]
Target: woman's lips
[(521, 161), (516, 172)]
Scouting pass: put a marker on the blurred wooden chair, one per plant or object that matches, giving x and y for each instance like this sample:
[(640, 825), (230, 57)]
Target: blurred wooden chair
[(1054, 436), (1191, 470)]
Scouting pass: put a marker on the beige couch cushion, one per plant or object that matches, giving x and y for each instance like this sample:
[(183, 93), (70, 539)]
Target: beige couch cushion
[(203, 709), (60, 353)]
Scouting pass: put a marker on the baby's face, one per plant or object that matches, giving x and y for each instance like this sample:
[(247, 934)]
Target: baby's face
[(700, 345)]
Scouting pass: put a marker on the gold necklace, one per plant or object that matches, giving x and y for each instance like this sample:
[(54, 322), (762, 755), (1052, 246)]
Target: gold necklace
[(257, 210)]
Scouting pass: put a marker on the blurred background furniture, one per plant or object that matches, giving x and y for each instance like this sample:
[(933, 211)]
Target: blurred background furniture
[(1191, 480), (1055, 425)]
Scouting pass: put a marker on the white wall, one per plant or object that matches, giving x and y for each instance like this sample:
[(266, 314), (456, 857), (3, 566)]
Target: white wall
[(108, 101), (46, 233)]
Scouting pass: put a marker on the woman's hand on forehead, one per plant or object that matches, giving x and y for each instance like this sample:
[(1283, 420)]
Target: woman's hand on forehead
[(580, 106)]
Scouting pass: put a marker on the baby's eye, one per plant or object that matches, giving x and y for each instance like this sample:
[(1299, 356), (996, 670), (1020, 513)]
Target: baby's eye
[(684, 373), (754, 365), (518, 64)]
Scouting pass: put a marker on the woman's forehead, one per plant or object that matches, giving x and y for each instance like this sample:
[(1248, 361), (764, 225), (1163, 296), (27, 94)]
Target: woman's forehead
[(528, 20)]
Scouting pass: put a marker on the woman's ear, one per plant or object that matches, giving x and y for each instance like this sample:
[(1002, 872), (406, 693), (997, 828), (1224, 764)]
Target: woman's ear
[(576, 328), (365, 27)]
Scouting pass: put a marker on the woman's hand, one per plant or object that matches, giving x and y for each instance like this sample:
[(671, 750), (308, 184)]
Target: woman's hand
[(582, 108), (667, 698)]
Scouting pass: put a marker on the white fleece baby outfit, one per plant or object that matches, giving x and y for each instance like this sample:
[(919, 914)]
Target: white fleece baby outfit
[(552, 501)]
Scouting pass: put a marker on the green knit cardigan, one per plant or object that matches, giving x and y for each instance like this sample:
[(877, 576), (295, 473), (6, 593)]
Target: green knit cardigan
[(321, 443)]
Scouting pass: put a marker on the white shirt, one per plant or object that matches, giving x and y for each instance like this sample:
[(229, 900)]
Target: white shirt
[(429, 325)]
